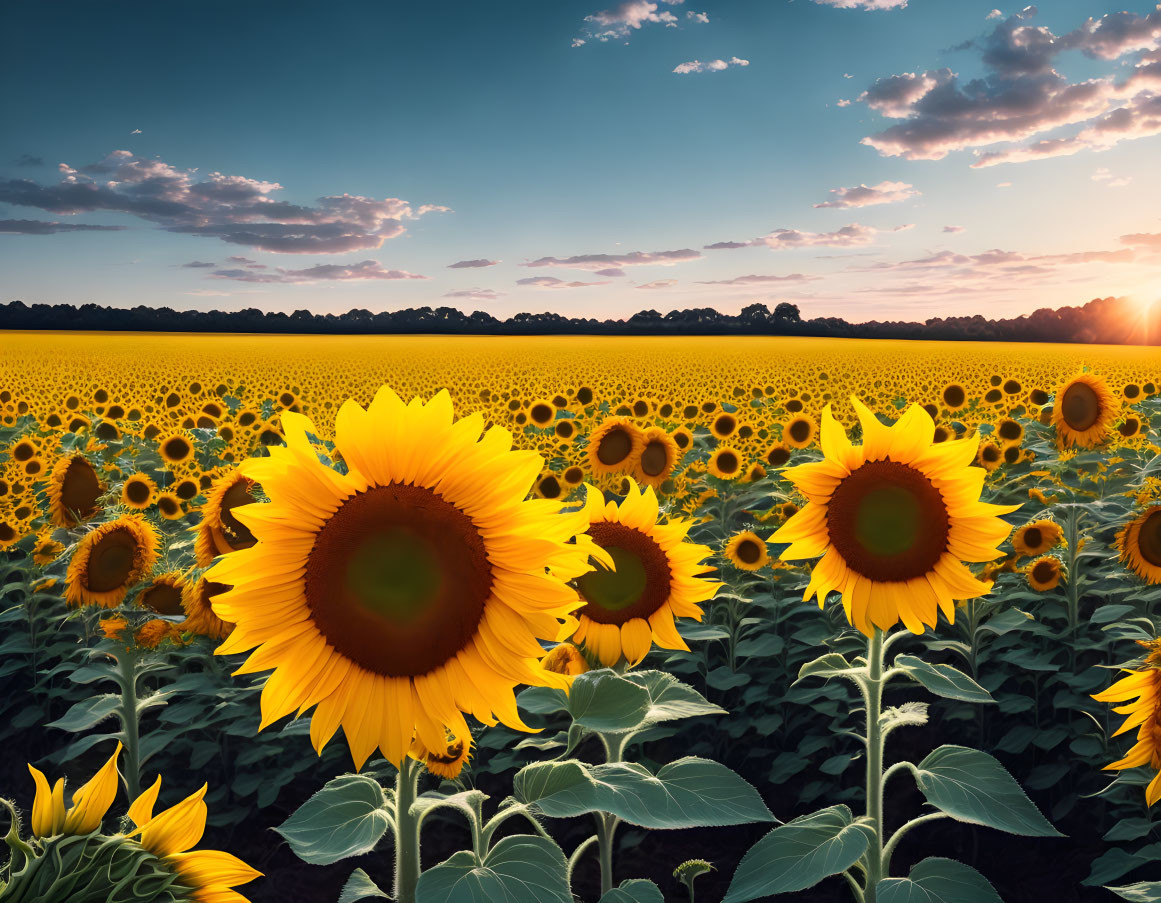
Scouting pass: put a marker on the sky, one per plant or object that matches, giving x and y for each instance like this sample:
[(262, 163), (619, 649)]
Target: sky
[(867, 159)]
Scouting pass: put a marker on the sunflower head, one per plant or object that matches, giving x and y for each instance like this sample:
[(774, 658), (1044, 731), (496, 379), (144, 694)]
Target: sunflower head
[(1084, 410), (656, 575), (196, 598), (893, 519), (1140, 696), (1037, 537), (615, 446), (447, 760), (726, 463), (566, 659), (747, 551), (74, 490), (110, 560), (137, 491), (1139, 545), (659, 456), (1044, 573)]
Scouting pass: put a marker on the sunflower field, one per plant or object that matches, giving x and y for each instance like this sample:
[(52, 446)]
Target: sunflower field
[(535, 620)]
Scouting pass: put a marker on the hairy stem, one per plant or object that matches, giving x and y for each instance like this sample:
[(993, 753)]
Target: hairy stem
[(406, 831), (130, 723)]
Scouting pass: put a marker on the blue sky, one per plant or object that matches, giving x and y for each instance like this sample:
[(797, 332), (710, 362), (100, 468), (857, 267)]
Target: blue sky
[(872, 159)]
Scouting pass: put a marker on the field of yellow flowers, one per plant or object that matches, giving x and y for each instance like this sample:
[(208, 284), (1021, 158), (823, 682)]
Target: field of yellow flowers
[(456, 620)]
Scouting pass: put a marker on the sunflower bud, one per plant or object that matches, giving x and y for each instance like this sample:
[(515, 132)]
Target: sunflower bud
[(565, 659)]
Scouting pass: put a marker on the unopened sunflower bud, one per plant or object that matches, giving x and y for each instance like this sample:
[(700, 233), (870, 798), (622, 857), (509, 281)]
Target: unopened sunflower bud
[(566, 659)]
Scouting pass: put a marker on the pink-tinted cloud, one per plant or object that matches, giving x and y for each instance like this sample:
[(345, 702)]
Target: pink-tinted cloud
[(478, 263), (553, 282), (607, 264), (953, 229), (41, 227), (620, 21), (234, 209), (659, 283), (870, 195), (864, 4), (475, 294), (846, 237), (761, 280), (696, 66), (323, 272)]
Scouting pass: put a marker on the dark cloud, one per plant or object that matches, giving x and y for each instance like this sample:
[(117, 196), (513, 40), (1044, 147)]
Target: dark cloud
[(323, 272), (199, 264), (41, 227)]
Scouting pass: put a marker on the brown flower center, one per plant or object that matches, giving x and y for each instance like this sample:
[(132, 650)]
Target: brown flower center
[(163, 599), (888, 521), (1044, 571), (654, 458), (615, 446), (111, 561), (1149, 538), (800, 430), (639, 585), (80, 488), (237, 534), (397, 580), (137, 491), (1080, 407), (748, 552)]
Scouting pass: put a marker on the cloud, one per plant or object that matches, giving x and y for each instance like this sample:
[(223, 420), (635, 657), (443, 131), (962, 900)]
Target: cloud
[(233, 209), (1111, 181), (41, 227), (695, 66), (1022, 95), (611, 262), (870, 195), (660, 283), (472, 264), (953, 229), (28, 160), (208, 293), (699, 18), (135, 132), (323, 272), (1151, 240), (847, 236), (994, 14), (475, 294), (619, 22), (553, 282), (199, 264), (762, 280), (864, 4), (729, 245)]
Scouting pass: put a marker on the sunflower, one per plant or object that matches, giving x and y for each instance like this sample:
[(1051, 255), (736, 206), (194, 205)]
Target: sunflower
[(73, 491), (163, 595), (989, 456), (723, 425), (725, 463), (798, 432), (109, 560), (196, 596), (1084, 410), (155, 631), (682, 437), (1141, 691), (90, 802), (573, 476), (24, 449), (893, 519), (777, 455), (1010, 430), (226, 532), (565, 658), (1044, 573), (447, 760), (1139, 544), (747, 551), (137, 492), (541, 413), (47, 549), (169, 835), (169, 506), (1036, 537), (659, 456), (614, 445), (175, 448), (656, 577), (411, 589)]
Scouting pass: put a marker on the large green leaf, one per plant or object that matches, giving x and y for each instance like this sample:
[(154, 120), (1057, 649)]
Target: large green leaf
[(688, 793), (605, 701), (87, 713), (938, 880), (346, 818), (943, 680), (1144, 892), (634, 890), (519, 869), (359, 887), (800, 854), (670, 699), (972, 787), (827, 666)]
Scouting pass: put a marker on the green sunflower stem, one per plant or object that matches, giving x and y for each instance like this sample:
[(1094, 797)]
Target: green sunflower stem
[(130, 722), (875, 740), (406, 831), (607, 822)]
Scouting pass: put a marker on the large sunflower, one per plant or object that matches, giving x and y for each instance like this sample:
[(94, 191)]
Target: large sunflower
[(1084, 410), (659, 456), (893, 519), (614, 446), (1141, 691), (657, 577), (73, 491), (110, 560), (411, 589), (1140, 544)]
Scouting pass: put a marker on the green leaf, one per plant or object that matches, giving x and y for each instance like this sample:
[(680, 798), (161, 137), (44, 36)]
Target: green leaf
[(634, 890), (827, 666), (360, 886), (800, 854), (519, 869), (670, 699), (937, 880), (943, 680), (604, 701), (87, 713), (346, 818), (1143, 892), (688, 793), (972, 787)]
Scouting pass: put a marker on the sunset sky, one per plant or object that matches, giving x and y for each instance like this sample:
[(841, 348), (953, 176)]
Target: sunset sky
[(869, 159)]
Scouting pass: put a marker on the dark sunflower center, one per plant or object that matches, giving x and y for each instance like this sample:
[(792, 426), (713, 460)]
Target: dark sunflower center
[(111, 561), (1010, 429), (888, 521), (237, 533), (800, 431), (1033, 537), (614, 447), (654, 459), (163, 599), (1044, 572), (778, 456), (397, 580), (991, 453), (1149, 538), (80, 488), (748, 551), (541, 413), (137, 491), (177, 448), (639, 585), (727, 462), (23, 451), (1080, 407), (954, 396)]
